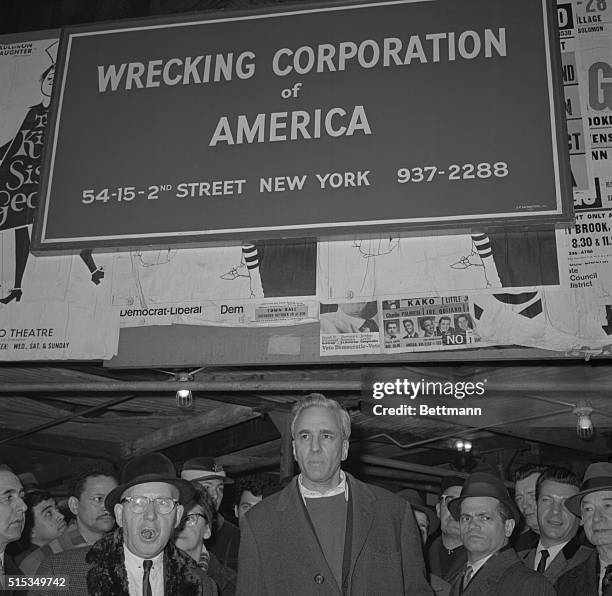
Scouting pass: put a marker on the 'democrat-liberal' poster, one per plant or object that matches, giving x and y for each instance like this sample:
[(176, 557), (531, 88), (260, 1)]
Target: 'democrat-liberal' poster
[(262, 283), (50, 308)]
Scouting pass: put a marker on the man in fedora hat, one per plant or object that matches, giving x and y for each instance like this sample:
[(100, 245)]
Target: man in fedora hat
[(427, 522), (487, 517), (593, 504), (559, 548), (210, 475), (138, 558)]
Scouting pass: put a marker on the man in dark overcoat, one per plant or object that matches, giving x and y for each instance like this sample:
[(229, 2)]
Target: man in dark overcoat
[(487, 517), (593, 504), (327, 533)]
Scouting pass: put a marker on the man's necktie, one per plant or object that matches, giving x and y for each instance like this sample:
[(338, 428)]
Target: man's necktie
[(467, 576), (607, 579), (544, 554), (146, 584)]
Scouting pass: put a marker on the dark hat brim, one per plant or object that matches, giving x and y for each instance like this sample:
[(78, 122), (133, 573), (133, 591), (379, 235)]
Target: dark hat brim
[(434, 522), (225, 479), (573, 503), (483, 489), (185, 488)]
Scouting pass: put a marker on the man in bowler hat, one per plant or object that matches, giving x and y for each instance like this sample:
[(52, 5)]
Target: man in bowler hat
[(138, 558), (593, 504), (487, 517)]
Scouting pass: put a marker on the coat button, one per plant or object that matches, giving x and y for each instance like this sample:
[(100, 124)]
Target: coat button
[(319, 579)]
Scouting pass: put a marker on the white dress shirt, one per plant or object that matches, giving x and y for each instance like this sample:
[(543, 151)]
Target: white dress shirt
[(135, 571), (553, 551)]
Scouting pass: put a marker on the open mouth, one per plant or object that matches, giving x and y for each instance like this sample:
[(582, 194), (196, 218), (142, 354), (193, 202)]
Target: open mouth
[(148, 534)]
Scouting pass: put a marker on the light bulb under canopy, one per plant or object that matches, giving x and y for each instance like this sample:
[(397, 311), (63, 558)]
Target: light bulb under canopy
[(584, 426)]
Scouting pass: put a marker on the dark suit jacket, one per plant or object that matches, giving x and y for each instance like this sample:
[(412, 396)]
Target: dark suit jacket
[(571, 554), (280, 554), (448, 567), (11, 568), (582, 580), (524, 540), (504, 574), (439, 586), (224, 542)]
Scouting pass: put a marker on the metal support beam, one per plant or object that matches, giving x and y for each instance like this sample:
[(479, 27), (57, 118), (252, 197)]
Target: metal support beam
[(68, 418), (408, 466), (292, 386)]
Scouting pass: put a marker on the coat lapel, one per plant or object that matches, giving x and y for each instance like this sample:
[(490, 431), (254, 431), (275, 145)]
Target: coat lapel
[(556, 568), (294, 522), (484, 583), (363, 517), (528, 557)]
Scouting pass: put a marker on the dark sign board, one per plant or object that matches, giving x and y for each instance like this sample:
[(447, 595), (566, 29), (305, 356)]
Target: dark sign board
[(368, 117)]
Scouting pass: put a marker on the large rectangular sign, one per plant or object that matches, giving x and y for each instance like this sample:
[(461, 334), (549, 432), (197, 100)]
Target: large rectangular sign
[(366, 117)]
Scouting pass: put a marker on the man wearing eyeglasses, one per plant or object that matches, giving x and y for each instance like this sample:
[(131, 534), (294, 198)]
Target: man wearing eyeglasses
[(487, 517), (12, 519), (194, 529), (210, 475), (138, 558)]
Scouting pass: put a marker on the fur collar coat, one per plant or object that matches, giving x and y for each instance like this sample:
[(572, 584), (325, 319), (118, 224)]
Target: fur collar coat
[(107, 574)]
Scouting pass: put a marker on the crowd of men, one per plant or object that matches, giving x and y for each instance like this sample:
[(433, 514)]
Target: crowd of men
[(154, 532)]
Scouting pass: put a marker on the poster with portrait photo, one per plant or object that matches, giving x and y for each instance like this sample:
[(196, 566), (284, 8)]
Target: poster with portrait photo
[(429, 323)]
